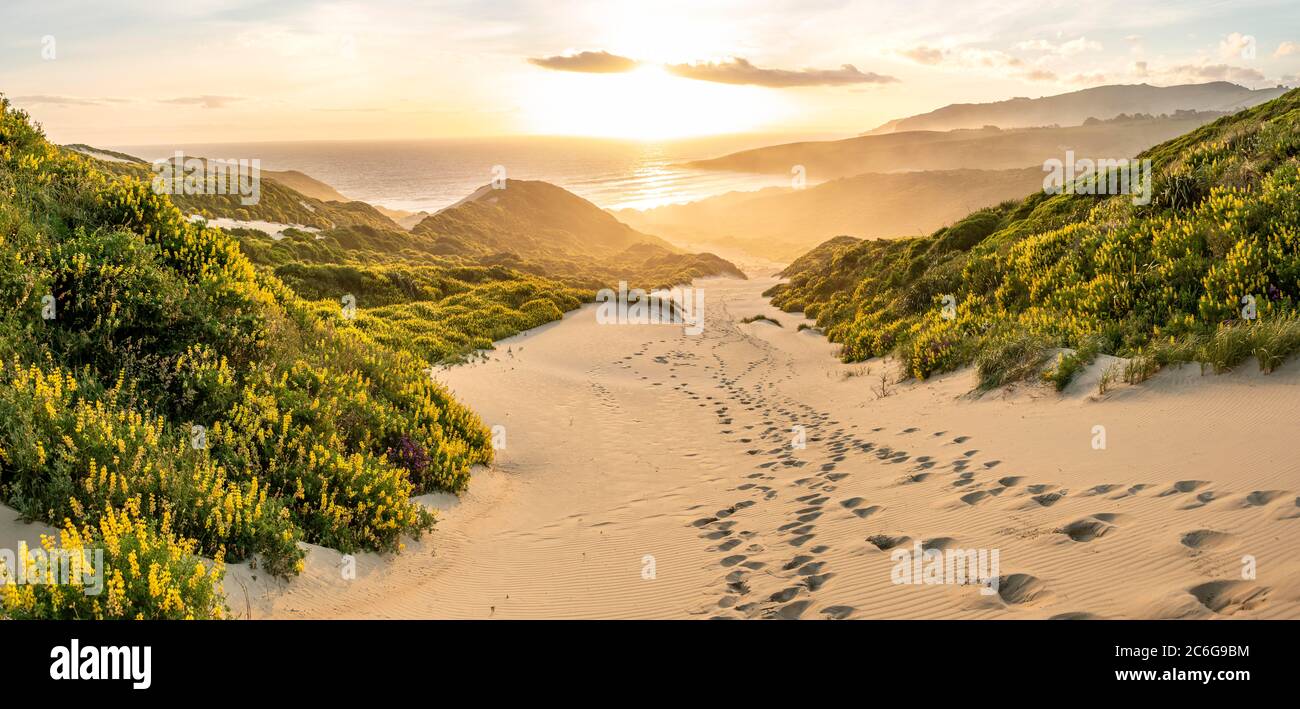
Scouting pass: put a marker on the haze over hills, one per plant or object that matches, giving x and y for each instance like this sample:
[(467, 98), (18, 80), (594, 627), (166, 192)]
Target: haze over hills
[(987, 149), (1075, 107), (914, 175), (782, 223), (1094, 272)]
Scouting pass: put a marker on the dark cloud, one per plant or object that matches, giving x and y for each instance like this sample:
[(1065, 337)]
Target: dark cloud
[(740, 71), (587, 63)]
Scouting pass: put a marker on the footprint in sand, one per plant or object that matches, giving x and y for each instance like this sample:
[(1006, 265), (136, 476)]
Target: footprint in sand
[(1048, 499), (791, 611), (866, 512), (1207, 539), (1089, 528), (1203, 499), (938, 543), (837, 612), (1230, 597), (1260, 498), (785, 594), (796, 562), (1020, 589), (1183, 486), (1131, 491)]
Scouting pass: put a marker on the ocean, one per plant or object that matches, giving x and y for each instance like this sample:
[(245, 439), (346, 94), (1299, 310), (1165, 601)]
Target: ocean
[(431, 174)]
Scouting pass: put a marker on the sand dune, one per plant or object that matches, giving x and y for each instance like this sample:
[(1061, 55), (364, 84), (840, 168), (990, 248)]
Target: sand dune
[(628, 445), (651, 474)]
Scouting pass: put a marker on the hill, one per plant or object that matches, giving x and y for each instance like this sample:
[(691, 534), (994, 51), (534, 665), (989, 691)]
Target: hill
[(985, 149), (313, 191), (181, 396), (530, 218), (164, 399), (1209, 270), (781, 223), (1075, 107)]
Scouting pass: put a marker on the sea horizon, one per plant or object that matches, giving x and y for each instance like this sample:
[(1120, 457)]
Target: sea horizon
[(431, 174)]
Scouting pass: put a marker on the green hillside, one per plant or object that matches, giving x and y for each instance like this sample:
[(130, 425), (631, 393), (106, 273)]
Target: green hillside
[(1162, 282), (532, 219)]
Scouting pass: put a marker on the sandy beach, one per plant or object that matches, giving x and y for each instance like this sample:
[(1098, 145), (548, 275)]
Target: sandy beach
[(647, 473)]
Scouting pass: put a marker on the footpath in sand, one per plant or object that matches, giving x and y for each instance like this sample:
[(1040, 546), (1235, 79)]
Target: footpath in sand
[(648, 473)]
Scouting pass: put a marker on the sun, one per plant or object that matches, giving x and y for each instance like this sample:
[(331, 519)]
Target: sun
[(645, 104)]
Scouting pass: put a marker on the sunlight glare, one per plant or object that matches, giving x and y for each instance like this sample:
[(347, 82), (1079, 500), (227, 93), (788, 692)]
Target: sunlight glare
[(646, 104)]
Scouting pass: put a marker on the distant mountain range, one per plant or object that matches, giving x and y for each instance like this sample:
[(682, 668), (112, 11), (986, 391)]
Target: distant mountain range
[(781, 223), (985, 149), (914, 175), (1072, 109)]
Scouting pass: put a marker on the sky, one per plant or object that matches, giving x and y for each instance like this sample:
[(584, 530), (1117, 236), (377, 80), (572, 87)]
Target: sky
[(146, 72)]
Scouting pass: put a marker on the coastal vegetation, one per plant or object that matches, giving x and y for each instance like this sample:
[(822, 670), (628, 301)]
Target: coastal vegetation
[(182, 397), (1207, 271)]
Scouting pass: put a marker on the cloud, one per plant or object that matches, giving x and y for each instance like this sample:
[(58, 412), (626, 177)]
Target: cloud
[(740, 71), (1216, 72), (969, 57), (1237, 45), (924, 55), (1087, 79), (54, 100), (1065, 49), (206, 101), (1039, 75), (586, 62), (1286, 49)]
